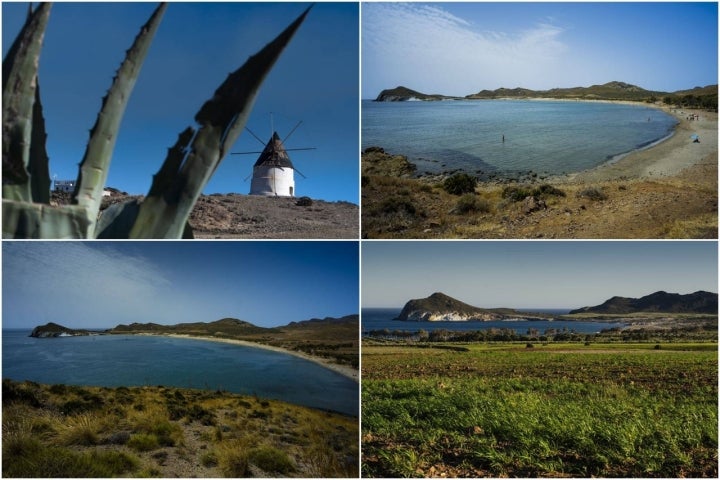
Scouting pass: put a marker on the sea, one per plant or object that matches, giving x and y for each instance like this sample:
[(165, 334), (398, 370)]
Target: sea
[(133, 360), (384, 318), (543, 137)]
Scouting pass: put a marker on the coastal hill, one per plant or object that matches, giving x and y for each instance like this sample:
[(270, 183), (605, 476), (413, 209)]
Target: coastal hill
[(332, 338), (705, 97), (402, 94), (52, 330), (660, 302), (439, 307)]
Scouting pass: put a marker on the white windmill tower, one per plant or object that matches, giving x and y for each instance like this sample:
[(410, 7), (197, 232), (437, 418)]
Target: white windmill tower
[(273, 173)]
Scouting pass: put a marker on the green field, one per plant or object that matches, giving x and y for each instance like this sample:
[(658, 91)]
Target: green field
[(620, 410)]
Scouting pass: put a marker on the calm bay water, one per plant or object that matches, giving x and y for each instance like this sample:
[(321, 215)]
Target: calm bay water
[(381, 318), (552, 137), (128, 360)]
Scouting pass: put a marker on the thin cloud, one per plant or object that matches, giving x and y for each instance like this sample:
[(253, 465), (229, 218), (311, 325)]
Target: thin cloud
[(78, 283), (428, 48)]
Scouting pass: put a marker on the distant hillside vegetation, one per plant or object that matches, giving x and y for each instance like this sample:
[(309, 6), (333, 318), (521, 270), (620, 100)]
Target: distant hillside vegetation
[(663, 302), (698, 97)]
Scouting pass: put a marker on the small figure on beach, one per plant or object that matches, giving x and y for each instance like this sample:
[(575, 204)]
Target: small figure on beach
[(503, 138)]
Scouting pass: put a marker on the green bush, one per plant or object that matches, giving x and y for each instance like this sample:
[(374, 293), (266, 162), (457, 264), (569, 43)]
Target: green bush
[(271, 460), (459, 183), (397, 205), (592, 193), (518, 193), (471, 203), (144, 442)]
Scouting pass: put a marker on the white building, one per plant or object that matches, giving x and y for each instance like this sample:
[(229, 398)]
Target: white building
[(65, 186), (273, 173)]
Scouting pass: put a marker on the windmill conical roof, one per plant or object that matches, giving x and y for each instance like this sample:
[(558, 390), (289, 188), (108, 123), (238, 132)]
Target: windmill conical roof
[(274, 154)]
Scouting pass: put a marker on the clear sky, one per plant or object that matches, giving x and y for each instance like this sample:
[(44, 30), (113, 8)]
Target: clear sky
[(462, 48), (103, 284), (537, 274), (316, 80)]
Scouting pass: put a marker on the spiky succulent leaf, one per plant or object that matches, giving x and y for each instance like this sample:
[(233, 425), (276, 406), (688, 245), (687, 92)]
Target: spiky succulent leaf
[(178, 184), (20, 68), (36, 220), (96, 161), (39, 163)]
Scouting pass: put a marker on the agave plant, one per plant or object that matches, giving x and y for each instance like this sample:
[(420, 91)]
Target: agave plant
[(175, 188)]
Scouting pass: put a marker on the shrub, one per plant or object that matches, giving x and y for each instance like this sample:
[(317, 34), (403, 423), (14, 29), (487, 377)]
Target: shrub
[(271, 460), (471, 203), (143, 442), (233, 461), (397, 205), (517, 193), (459, 183), (548, 191), (592, 193), (304, 202)]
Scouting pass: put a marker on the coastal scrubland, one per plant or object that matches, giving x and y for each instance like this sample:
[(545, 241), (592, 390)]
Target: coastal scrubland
[(71, 431), (540, 409), (667, 191)]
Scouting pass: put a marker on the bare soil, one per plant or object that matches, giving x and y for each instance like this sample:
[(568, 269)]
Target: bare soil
[(239, 216)]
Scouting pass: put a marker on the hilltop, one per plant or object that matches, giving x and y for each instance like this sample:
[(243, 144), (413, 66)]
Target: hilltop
[(661, 302), (234, 215), (402, 94), (439, 307), (701, 97), (51, 330)]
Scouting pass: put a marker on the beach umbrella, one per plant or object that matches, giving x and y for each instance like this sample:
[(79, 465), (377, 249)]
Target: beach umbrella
[(694, 136)]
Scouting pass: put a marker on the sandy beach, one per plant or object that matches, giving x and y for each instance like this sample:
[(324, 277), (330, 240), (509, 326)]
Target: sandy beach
[(341, 369), (668, 157)]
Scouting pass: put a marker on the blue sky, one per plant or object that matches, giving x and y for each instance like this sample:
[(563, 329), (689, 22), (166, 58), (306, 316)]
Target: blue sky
[(462, 48), (316, 80), (537, 274), (103, 284)]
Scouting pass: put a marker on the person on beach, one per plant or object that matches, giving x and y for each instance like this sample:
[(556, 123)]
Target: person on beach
[(503, 138)]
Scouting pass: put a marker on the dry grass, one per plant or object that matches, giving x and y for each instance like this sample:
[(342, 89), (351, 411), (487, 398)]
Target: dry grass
[(169, 432)]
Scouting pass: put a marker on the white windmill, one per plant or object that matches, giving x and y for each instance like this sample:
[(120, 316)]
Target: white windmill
[(273, 174)]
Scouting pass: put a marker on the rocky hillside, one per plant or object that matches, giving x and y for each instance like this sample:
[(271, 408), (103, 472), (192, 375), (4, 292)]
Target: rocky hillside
[(52, 330), (234, 215), (439, 307), (663, 302), (698, 96), (402, 94)]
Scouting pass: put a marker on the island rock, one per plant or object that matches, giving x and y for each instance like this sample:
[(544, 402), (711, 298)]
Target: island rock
[(52, 330)]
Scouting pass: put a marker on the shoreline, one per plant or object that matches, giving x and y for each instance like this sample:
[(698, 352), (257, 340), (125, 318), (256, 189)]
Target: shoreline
[(343, 370), (664, 157)]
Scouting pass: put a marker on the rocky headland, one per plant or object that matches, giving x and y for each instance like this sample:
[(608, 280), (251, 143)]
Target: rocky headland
[(439, 307), (53, 330)]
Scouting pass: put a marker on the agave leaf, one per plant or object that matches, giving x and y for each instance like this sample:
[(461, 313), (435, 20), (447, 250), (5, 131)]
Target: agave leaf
[(178, 184), (35, 220), (39, 163), (20, 68), (96, 161)]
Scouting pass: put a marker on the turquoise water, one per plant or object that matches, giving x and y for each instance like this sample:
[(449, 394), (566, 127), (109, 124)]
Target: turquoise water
[(545, 137), (128, 360)]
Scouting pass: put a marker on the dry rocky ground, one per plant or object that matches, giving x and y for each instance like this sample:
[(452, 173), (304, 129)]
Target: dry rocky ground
[(248, 216)]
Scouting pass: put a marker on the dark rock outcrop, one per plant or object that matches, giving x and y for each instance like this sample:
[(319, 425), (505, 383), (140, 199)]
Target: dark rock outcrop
[(439, 307)]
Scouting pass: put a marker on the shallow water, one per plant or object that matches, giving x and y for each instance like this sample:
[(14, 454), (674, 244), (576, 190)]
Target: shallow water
[(546, 137), (128, 360)]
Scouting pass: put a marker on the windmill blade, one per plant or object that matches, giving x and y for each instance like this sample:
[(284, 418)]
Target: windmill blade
[(243, 153), (246, 178), (301, 174), (296, 149), (291, 131), (256, 137)]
